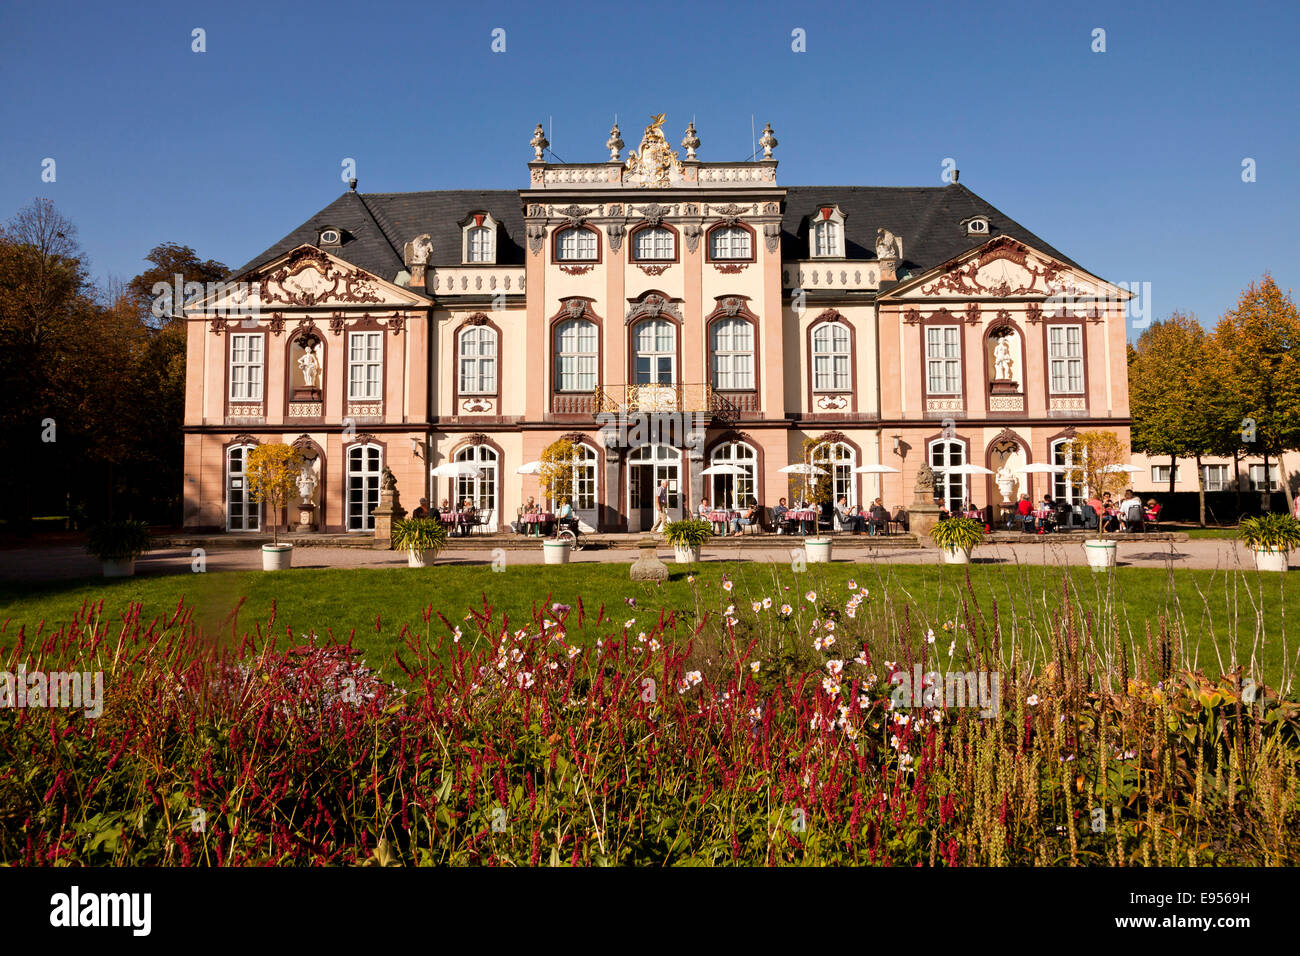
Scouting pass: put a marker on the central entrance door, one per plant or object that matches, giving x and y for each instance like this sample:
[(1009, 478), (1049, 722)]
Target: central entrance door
[(647, 467)]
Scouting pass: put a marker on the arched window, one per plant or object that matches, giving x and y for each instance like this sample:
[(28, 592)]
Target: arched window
[(654, 243), (948, 488), (365, 462), (478, 360), (730, 242), (480, 246), (242, 513), (575, 356), (735, 490), (826, 238), (654, 352), (1071, 492), (830, 358), (732, 342), (575, 244), (838, 460), (481, 486)]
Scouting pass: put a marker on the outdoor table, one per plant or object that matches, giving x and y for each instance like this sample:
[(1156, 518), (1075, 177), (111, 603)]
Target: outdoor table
[(1041, 516), (536, 521), (720, 518), (804, 517), (457, 520)]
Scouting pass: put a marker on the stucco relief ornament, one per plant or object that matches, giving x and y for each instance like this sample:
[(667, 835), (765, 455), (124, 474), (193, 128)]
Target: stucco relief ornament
[(888, 245), (539, 142), (614, 144), (655, 163), (691, 141)]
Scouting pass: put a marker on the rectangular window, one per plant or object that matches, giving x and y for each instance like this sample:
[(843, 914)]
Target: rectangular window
[(246, 366), (1160, 474), (1065, 358), (943, 359), (1257, 478), (365, 366), (1216, 477)]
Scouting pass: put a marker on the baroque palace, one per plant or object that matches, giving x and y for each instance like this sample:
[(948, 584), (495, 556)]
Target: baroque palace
[(842, 326)]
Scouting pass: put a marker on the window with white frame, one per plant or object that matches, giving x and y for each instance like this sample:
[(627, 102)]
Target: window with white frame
[(363, 473), (653, 243), (654, 352), (365, 366), (1215, 476), (1063, 489), (575, 356), (481, 246), (1065, 357), (733, 355), (247, 366), (826, 238), (831, 351), (478, 360), (730, 242), (838, 460), (1160, 474), (1257, 478), (734, 490), (576, 245), (949, 487), (943, 359)]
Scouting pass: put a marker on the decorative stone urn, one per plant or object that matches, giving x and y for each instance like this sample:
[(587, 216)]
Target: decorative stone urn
[(648, 567)]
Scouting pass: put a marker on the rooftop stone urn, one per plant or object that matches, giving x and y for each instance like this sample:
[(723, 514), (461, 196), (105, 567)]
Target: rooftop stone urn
[(648, 567), (924, 512)]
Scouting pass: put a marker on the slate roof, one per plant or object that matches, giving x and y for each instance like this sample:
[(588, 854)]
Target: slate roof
[(927, 218)]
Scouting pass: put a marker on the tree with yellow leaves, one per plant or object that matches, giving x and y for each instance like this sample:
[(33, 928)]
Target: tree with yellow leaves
[(272, 471)]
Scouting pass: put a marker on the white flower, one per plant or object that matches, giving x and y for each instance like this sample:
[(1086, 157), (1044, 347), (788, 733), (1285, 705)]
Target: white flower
[(694, 677), (903, 720), (641, 637), (574, 652), (755, 666), (830, 625), (516, 654), (456, 636), (731, 609), (786, 610), (831, 686), (811, 596), (629, 624), (929, 636), (757, 606), (819, 644), (524, 680), (654, 645), (726, 585), (861, 659), (853, 585), (1032, 700), (767, 602), (835, 666)]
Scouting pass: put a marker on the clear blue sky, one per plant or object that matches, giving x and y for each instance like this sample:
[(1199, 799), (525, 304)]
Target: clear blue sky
[(1129, 160)]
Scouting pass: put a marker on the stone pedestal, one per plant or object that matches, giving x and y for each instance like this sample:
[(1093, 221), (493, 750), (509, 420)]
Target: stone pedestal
[(306, 516), (389, 510), (304, 393), (923, 514), (648, 567)]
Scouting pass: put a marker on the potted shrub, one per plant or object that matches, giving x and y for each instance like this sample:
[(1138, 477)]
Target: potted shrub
[(687, 537), (420, 538), (955, 537), (1271, 537), (117, 544), (272, 471), (1095, 462)]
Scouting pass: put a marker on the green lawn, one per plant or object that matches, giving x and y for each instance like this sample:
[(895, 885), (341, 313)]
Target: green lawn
[(1242, 610)]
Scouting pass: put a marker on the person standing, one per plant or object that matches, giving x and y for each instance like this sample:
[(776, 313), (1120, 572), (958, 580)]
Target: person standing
[(661, 506)]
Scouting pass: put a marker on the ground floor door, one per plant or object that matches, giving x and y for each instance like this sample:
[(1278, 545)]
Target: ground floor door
[(648, 467), (242, 513)]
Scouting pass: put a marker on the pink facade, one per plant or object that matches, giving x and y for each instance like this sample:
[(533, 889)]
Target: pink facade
[(727, 317)]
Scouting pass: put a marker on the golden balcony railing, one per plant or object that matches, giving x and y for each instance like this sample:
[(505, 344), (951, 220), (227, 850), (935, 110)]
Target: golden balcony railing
[(677, 397)]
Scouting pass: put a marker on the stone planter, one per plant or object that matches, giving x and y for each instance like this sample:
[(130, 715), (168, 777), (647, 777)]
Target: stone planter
[(126, 568), (818, 549), (277, 557), (420, 559), (955, 555), (555, 552), (1266, 559), (1101, 554), (686, 554)]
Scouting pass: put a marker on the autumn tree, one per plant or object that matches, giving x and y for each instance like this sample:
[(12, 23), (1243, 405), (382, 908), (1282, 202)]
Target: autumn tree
[(1259, 349)]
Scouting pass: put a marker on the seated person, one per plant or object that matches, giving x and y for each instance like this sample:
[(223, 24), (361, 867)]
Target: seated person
[(847, 519), (704, 509), (1025, 510), (530, 508), (422, 509), (468, 516), (565, 518), (748, 518), (1130, 511), (1049, 506), (444, 507), (1091, 516), (879, 518), (1153, 510), (778, 515)]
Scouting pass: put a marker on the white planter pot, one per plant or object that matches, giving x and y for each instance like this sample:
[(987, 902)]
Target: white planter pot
[(1101, 554), (119, 569), (420, 559), (818, 549), (955, 555), (555, 552), (1266, 559), (277, 557), (686, 554)]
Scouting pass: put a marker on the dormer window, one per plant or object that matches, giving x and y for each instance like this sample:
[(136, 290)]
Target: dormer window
[(978, 226), (329, 236), (826, 233), (479, 238)]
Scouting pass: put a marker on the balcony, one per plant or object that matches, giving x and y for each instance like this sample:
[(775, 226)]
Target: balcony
[(688, 397)]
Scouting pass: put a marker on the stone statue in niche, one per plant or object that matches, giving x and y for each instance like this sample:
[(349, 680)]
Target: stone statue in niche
[(310, 364), (1003, 364)]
